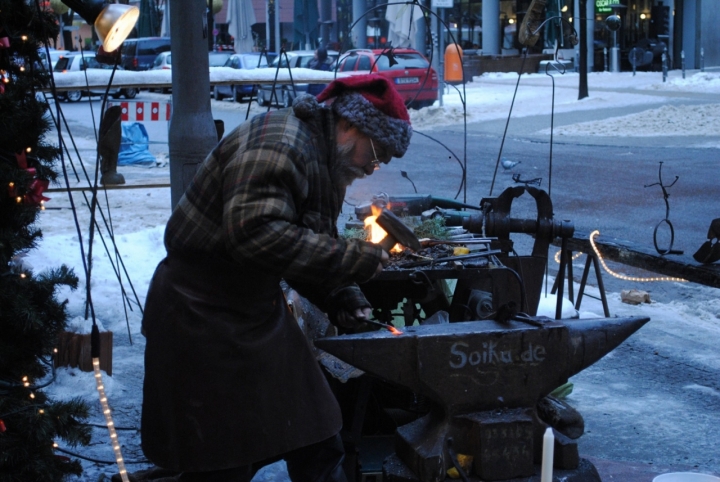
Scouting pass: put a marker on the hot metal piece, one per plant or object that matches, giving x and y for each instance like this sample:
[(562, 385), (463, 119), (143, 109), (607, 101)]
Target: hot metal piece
[(398, 231)]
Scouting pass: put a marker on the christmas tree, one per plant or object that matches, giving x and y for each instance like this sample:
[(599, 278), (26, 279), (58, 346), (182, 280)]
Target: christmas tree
[(30, 315)]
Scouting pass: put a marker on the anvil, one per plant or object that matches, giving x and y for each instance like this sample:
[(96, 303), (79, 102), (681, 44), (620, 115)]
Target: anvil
[(481, 374)]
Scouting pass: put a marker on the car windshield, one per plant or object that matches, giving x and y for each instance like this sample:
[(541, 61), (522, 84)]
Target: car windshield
[(153, 47), (92, 63), (404, 61), (62, 64), (218, 59), (283, 61), (250, 61)]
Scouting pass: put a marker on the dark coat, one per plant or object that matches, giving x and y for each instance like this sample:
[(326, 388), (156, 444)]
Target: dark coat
[(229, 377)]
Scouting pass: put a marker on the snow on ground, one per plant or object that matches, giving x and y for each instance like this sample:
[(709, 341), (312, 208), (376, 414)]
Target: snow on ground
[(139, 218), (489, 97)]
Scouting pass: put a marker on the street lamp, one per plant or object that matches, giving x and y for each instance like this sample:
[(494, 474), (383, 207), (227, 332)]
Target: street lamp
[(113, 21)]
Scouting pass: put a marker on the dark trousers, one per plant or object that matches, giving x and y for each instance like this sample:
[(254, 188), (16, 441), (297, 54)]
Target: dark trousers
[(320, 462)]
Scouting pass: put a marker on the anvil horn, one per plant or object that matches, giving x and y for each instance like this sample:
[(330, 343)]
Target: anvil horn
[(592, 339), (481, 365)]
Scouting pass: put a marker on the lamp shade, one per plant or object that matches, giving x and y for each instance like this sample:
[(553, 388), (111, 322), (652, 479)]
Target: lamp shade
[(113, 21)]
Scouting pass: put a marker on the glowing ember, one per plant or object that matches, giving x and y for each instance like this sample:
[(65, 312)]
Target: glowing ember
[(377, 233), (394, 330)]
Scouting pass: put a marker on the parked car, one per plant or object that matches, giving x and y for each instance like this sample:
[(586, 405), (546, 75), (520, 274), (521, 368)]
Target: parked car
[(163, 61), (238, 91), (219, 58), (54, 56), (284, 93), (412, 75), (140, 53), (78, 61)]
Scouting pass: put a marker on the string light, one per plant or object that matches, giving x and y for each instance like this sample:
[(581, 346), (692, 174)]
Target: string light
[(109, 421), (26, 383), (29, 149), (24, 37), (41, 411), (622, 276), (575, 256), (22, 275), (18, 199)]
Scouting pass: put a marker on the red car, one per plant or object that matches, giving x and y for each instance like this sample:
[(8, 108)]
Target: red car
[(414, 78)]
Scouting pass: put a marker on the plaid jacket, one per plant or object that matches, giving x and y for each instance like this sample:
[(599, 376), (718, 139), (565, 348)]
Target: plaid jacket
[(264, 196)]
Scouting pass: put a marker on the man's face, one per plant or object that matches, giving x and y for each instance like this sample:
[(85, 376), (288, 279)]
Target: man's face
[(357, 156)]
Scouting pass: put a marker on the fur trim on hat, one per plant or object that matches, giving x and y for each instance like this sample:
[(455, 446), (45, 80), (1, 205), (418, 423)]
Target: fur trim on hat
[(394, 134), (305, 106)]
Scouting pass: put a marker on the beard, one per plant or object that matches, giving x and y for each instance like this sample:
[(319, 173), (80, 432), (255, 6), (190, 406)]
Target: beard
[(344, 172)]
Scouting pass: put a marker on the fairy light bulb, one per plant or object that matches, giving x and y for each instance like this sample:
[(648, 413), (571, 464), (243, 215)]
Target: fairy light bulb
[(24, 37), (26, 383), (22, 68), (625, 277), (18, 199), (41, 411), (32, 395), (109, 421), (28, 149), (22, 275), (11, 185), (575, 256)]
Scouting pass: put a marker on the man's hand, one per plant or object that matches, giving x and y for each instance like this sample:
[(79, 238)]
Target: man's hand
[(384, 261), (349, 320)]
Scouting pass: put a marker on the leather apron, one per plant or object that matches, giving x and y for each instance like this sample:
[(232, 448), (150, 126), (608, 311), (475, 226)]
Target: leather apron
[(230, 378)]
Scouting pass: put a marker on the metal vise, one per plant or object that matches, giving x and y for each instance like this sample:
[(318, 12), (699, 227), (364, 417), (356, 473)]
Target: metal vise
[(495, 220), (486, 380)]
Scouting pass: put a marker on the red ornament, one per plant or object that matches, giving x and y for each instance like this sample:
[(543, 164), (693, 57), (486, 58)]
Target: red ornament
[(4, 43), (21, 159), (35, 191), (2, 88), (3, 428)]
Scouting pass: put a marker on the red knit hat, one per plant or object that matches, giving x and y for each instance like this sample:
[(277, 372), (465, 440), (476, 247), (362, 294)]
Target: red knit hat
[(371, 103)]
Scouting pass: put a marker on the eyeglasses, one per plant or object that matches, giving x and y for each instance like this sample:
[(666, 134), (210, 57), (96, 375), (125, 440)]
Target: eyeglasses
[(375, 163)]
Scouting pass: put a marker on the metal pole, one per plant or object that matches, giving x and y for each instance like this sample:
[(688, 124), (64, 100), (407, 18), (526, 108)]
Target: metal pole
[(682, 62), (581, 21), (267, 25), (664, 66), (702, 60), (359, 33), (192, 134), (605, 58), (278, 46), (441, 57)]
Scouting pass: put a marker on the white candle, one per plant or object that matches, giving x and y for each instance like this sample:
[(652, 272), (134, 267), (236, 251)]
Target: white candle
[(547, 458)]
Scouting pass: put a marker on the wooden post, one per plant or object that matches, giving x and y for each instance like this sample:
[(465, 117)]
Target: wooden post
[(74, 351)]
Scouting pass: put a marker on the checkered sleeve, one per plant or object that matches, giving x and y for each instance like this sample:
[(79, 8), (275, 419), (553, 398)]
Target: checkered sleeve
[(264, 189)]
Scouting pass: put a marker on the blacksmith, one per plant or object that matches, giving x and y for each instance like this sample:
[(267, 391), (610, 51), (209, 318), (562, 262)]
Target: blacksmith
[(230, 381)]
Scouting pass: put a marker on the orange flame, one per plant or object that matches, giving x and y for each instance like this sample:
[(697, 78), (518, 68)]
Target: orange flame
[(377, 233)]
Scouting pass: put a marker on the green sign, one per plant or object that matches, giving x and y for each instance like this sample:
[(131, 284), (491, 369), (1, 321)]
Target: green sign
[(603, 6)]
